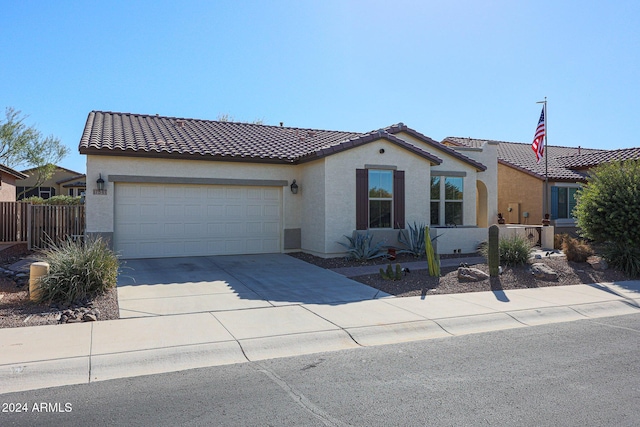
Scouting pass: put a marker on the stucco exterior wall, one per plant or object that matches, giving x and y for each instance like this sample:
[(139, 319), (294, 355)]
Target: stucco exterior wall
[(519, 187), (100, 208), (312, 209), (340, 181), (7, 188)]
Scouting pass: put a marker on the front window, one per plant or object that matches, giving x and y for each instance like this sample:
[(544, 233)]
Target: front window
[(446, 200), (566, 202), (380, 198)]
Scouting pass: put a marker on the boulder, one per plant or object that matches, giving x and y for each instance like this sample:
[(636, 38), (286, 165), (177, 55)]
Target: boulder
[(470, 274), (598, 263), (543, 271)]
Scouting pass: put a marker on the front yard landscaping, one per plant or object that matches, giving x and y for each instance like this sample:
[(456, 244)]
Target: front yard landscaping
[(418, 282)]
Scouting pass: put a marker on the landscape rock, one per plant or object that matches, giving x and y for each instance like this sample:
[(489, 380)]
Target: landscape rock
[(543, 272), (597, 262), (88, 317), (470, 274)]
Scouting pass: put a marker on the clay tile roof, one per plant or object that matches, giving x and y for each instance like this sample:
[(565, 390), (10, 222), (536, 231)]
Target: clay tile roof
[(13, 172), (521, 156), (170, 137), (587, 160), (401, 127)]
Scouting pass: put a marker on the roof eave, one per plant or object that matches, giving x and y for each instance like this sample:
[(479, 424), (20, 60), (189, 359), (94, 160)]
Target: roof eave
[(401, 127), (179, 156)]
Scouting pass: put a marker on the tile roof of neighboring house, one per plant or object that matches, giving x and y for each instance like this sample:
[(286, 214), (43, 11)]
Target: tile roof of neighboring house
[(401, 127), (521, 156), (127, 134), (75, 184), (13, 172), (71, 178), (587, 160), (57, 167)]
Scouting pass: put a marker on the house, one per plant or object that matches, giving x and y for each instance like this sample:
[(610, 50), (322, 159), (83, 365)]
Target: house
[(62, 182), (521, 179), (187, 187), (8, 179)]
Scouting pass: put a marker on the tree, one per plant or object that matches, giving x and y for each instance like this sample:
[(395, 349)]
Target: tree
[(24, 146), (608, 206)]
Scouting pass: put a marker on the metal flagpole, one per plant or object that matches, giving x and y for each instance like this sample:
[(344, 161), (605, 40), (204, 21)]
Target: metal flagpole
[(545, 201)]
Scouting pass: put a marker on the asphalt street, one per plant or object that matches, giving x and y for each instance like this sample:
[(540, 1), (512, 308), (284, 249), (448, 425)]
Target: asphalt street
[(581, 373)]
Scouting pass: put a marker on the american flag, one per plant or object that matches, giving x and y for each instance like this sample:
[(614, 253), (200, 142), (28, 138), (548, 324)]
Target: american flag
[(538, 139)]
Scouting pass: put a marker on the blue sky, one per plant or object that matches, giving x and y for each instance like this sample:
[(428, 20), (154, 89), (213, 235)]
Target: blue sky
[(445, 68)]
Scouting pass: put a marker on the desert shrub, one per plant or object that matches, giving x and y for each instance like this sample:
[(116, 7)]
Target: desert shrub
[(78, 270), (576, 250), (513, 250), (624, 257), (558, 239), (360, 247), (63, 200), (413, 240), (34, 200), (53, 200), (608, 205)]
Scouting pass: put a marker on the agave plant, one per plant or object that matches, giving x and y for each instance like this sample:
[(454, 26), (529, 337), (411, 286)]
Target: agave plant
[(413, 240), (360, 247)]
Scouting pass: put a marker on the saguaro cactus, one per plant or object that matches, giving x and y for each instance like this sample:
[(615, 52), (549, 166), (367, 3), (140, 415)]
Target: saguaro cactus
[(494, 251)]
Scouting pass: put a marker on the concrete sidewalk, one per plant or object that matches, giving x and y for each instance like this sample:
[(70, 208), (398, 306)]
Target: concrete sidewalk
[(56, 355)]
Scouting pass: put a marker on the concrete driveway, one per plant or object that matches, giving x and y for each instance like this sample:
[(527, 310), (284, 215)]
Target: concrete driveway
[(168, 286)]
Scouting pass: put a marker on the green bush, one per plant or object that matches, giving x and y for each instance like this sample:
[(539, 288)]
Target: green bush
[(608, 206), (513, 251), (624, 257), (34, 200), (360, 247), (78, 270), (63, 200), (54, 200)]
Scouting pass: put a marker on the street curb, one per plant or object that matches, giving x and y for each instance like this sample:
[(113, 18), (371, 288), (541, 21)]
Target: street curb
[(397, 333), (161, 360), (480, 323), (296, 344)]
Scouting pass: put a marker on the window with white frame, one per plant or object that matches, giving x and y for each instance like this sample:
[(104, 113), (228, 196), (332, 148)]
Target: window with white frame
[(446, 200), (380, 198)]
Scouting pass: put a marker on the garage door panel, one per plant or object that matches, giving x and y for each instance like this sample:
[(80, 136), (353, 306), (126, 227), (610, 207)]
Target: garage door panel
[(191, 220)]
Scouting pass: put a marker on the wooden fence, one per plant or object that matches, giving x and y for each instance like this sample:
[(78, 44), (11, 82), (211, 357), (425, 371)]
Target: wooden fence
[(40, 225), (13, 221)]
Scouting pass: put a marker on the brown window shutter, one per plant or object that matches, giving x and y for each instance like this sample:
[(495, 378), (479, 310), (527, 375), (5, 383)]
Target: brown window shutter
[(362, 199), (398, 199)]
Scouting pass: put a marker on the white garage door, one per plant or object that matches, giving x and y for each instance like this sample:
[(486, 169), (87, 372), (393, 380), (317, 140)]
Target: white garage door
[(167, 220)]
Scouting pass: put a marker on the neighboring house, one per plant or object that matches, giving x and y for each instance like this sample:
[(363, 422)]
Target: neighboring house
[(8, 179), (186, 187), (63, 182), (521, 179)]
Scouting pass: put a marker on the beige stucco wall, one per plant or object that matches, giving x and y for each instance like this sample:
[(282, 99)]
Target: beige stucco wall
[(324, 208), (515, 186), (100, 209), (340, 209), (7, 188), (312, 207)]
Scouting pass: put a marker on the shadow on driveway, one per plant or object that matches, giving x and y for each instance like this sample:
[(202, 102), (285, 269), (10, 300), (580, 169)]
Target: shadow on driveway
[(164, 286)]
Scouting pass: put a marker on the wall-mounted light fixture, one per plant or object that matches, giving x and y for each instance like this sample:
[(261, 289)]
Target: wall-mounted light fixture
[(100, 183), (294, 187)]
